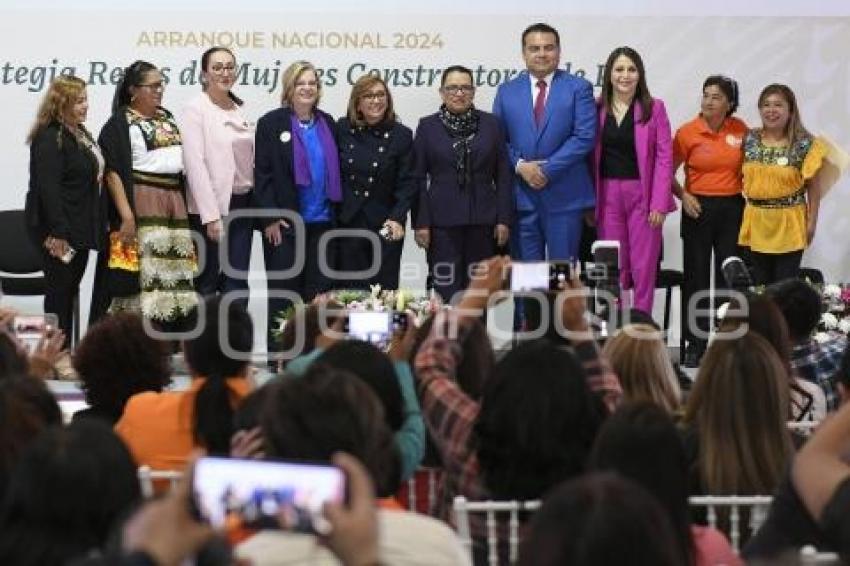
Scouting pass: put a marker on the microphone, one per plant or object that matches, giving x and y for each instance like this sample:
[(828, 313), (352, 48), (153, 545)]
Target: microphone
[(737, 275)]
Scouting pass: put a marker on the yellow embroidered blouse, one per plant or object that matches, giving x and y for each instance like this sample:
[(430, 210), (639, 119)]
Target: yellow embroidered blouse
[(774, 185)]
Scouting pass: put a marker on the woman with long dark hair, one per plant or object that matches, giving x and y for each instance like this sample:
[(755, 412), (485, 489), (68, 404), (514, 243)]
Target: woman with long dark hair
[(144, 173), (633, 169)]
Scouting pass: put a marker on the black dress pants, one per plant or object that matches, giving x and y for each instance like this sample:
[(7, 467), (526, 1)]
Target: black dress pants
[(453, 251), (716, 230), (62, 283)]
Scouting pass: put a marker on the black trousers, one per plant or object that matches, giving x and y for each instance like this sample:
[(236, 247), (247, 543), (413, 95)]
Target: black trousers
[(770, 268), (308, 282), (716, 230), (453, 251), (62, 284)]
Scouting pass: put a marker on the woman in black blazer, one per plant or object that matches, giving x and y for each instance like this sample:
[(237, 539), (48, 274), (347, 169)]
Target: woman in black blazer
[(378, 185), (465, 200), (62, 205), (297, 185)]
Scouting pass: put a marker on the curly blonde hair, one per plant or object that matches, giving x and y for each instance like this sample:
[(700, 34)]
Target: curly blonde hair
[(60, 97)]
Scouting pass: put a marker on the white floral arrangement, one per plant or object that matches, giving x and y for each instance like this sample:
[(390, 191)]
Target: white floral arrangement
[(836, 315), (421, 304)]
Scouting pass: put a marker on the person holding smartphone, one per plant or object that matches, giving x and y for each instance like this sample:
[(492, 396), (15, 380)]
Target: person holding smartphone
[(465, 200), (62, 205)]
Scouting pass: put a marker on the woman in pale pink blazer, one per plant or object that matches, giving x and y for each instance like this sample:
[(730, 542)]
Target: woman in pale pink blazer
[(218, 158), (633, 169)]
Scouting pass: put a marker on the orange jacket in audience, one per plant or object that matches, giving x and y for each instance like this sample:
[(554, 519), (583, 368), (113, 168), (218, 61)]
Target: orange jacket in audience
[(157, 427)]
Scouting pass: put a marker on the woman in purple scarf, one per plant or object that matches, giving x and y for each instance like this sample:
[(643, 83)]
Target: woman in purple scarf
[(296, 173)]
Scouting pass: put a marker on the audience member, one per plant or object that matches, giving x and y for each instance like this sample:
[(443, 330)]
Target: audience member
[(641, 443), (808, 402), (65, 495), (162, 428), (640, 359), (611, 521), (814, 361), (311, 419), (115, 360), (26, 408)]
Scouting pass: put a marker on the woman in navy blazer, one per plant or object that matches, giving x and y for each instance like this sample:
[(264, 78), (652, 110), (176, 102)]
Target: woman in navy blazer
[(465, 201), (297, 183)]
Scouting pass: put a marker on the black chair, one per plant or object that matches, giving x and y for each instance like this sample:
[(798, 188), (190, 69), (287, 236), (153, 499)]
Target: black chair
[(667, 279), (812, 275), (21, 263)]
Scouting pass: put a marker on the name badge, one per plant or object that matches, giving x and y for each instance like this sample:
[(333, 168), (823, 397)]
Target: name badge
[(285, 137)]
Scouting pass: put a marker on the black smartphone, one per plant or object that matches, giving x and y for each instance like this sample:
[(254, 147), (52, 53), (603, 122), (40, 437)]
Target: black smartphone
[(232, 494)]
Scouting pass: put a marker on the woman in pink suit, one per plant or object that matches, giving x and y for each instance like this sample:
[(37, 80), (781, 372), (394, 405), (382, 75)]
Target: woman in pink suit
[(633, 169)]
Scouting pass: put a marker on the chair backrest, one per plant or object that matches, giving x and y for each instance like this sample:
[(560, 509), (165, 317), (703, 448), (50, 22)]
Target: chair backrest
[(462, 510), (423, 483), (757, 504), (810, 555), (147, 477), (18, 253)]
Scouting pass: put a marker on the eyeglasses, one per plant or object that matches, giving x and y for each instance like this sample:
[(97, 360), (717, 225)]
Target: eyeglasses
[(154, 86), (223, 69), (374, 96), (458, 89)]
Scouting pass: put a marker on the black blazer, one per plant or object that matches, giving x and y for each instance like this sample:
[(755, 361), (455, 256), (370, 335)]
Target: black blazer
[(488, 201), (274, 172), (63, 199), (377, 172)]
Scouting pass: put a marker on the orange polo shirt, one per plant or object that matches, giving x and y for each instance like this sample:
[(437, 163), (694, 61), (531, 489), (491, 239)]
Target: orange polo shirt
[(712, 159), (157, 427)]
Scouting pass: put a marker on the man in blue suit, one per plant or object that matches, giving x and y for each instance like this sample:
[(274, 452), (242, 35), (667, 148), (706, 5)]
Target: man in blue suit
[(549, 117)]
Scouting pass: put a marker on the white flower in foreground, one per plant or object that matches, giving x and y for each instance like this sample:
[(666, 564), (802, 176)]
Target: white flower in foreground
[(832, 291), (829, 321), (721, 311), (844, 325), (821, 337)]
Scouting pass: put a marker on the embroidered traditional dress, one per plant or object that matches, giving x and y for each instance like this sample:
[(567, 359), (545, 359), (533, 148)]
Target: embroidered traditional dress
[(775, 188), (167, 259)]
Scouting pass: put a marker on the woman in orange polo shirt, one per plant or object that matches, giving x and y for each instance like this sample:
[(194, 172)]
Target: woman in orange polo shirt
[(709, 146), (162, 429)]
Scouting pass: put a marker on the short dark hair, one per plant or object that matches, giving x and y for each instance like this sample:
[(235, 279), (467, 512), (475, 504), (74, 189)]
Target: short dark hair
[(537, 422), (68, 490), (328, 410), (640, 442), (117, 359), (600, 519), (133, 76), (213, 411), (801, 305), (456, 69), (729, 88), (540, 27), (375, 369)]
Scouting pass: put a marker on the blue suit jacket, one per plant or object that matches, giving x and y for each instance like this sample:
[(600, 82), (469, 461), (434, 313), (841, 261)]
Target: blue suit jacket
[(564, 139)]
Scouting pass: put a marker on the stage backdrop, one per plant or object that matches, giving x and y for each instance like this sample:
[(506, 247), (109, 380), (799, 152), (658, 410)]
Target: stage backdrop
[(804, 45)]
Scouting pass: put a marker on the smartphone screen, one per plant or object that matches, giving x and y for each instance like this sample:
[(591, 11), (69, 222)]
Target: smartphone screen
[(236, 494), (371, 326), (31, 328), (530, 276)]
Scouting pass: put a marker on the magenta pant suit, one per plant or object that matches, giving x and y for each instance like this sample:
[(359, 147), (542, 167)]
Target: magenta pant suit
[(623, 205)]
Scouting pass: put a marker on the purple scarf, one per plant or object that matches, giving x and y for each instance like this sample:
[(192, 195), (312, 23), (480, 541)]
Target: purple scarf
[(333, 188)]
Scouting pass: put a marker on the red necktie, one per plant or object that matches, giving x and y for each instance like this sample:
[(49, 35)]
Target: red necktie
[(540, 102)]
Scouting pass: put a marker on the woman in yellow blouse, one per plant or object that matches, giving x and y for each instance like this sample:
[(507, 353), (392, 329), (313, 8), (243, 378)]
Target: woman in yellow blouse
[(781, 163)]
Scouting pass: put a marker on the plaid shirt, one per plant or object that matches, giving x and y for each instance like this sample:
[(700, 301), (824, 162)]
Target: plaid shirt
[(818, 362), (451, 415)]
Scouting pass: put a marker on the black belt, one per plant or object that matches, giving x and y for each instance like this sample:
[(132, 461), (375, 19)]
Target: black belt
[(796, 199)]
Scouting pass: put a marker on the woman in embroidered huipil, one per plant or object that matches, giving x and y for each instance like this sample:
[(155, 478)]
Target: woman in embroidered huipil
[(297, 182), (781, 163), (144, 174)]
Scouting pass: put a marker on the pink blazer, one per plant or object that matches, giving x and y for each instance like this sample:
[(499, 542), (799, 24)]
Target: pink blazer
[(207, 159), (654, 149)]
